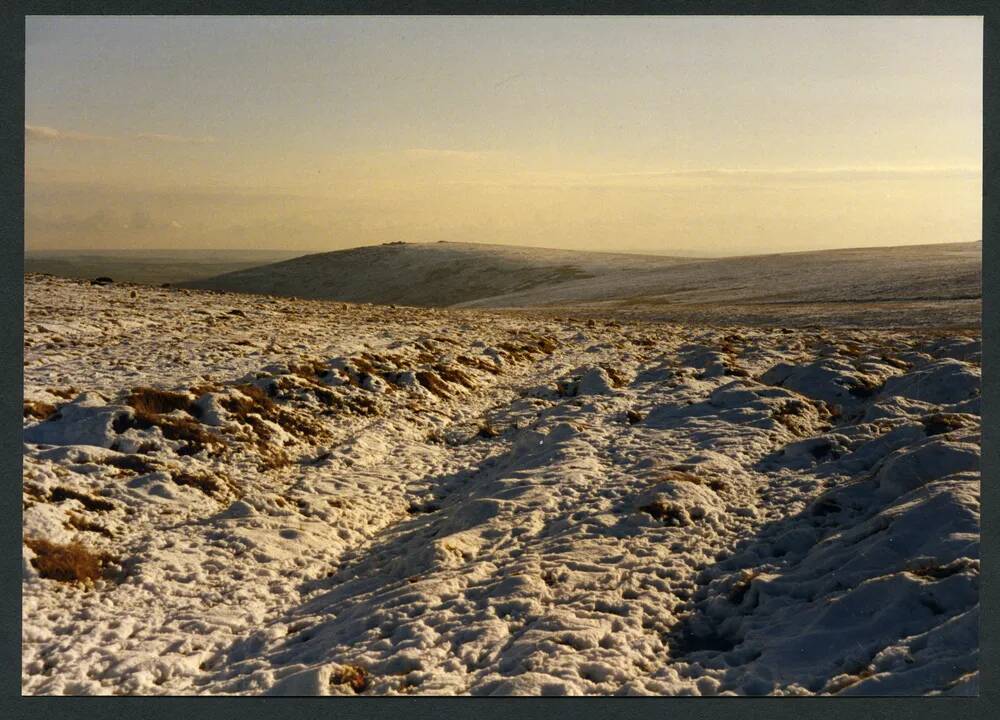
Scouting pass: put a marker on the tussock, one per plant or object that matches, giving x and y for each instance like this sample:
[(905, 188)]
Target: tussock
[(206, 483), (39, 410), (71, 563), (354, 676), (433, 383), (79, 522), (150, 402), (90, 502)]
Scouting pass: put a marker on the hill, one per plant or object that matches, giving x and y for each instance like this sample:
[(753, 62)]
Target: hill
[(917, 284)]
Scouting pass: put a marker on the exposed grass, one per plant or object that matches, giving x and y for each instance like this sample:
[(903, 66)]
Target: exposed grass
[(739, 589), (151, 409), (90, 502), (793, 415), (681, 476), (309, 368), (478, 363), (72, 562), (38, 409), (206, 483), (64, 393), (79, 522), (487, 431), (149, 401), (433, 383), (354, 676), (940, 423), (616, 377), (132, 463), (454, 375), (669, 513), (254, 400)]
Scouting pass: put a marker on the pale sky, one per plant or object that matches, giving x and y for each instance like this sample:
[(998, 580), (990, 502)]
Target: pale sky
[(689, 135)]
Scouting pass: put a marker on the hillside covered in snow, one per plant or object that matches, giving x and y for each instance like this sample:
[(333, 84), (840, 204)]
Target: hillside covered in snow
[(249, 494), (926, 285)]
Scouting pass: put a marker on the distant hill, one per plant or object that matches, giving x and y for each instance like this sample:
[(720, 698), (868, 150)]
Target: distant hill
[(501, 276), (438, 274), (150, 267)]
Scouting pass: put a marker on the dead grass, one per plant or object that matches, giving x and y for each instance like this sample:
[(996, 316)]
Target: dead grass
[(681, 476), (79, 522), (309, 368), (132, 463), (254, 400), (454, 375), (478, 363), (206, 483), (617, 377), (64, 393), (740, 588), (864, 387), (433, 384), (151, 409), (940, 423), (58, 494), (794, 415), (188, 431), (667, 512), (71, 563), (487, 431), (354, 676), (151, 401), (38, 409)]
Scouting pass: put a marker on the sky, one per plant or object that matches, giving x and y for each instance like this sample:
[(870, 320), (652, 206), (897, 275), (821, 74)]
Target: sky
[(703, 136)]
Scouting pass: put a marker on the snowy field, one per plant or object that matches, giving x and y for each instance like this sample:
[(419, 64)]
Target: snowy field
[(282, 496)]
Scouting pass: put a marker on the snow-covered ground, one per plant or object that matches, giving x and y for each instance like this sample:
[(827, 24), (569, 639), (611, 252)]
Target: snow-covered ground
[(395, 500)]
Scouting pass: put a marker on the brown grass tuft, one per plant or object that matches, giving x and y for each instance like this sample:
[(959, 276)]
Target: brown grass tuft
[(478, 364), (433, 383), (132, 463), (668, 512), (79, 522), (64, 393), (151, 401), (617, 377), (90, 502), (39, 410), (940, 423), (454, 375), (206, 483), (354, 676), (73, 562), (681, 476)]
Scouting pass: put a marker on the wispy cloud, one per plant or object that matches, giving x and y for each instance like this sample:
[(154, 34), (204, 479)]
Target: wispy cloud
[(41, 133), (176, 139)]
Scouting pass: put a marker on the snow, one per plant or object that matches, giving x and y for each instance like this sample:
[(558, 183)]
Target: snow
[(489, 503)]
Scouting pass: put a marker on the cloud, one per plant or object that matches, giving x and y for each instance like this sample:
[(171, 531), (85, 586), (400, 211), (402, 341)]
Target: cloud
[(176, 139), (40, 133)]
